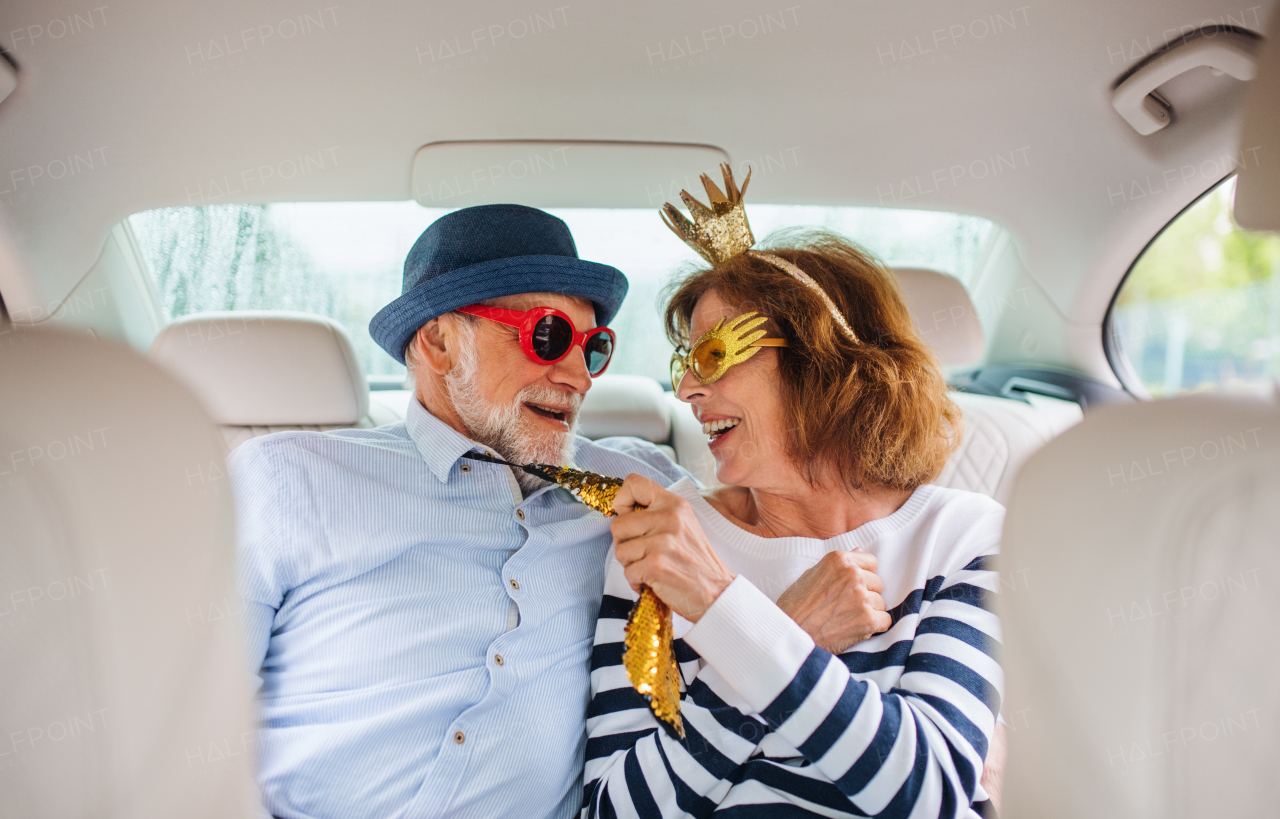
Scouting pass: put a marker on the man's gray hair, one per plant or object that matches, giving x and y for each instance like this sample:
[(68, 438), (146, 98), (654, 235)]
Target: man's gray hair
[(410, 363), (411, 352)]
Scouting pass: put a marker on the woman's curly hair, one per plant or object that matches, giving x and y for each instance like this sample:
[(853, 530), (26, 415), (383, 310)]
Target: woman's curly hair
[(876, 411)]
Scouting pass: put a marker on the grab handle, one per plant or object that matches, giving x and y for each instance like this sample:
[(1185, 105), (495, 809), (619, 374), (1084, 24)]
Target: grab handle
[(1227, 52)]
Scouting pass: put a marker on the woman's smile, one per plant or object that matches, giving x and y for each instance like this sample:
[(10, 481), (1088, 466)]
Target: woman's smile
[(719, 427), (717, 439)]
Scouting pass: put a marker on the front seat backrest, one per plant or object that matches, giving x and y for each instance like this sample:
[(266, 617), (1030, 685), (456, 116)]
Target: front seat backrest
[(259, 372), (1138, 568), (125, 692)]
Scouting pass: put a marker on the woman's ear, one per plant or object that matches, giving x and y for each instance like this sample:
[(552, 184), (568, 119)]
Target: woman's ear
[(433, 347)]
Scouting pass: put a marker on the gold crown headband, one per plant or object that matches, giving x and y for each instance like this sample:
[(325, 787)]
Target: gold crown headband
[(720, 232)]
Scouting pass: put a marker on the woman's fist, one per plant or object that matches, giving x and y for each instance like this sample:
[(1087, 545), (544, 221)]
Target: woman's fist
[(660, 544), (838, 601)]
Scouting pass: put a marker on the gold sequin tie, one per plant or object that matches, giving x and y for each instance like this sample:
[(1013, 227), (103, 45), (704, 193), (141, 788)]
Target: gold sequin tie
[(649, 656)]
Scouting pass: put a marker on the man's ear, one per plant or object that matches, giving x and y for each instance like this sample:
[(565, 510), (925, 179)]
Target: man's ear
[(432, 345)]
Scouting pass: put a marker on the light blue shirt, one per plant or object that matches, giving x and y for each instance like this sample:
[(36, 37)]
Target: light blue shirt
[(423, 632)]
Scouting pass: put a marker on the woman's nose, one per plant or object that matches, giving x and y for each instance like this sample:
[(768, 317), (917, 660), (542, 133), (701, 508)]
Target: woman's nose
[(689, 388)]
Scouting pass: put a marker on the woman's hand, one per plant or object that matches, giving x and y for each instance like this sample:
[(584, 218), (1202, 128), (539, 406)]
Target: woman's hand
[(838, 601), (993, 770), (662, 546)]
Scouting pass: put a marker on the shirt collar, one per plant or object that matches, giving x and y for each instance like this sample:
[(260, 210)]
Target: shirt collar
[(439, 444)]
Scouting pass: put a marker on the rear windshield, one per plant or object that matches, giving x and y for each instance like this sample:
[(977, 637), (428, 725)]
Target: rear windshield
[(345, 260)]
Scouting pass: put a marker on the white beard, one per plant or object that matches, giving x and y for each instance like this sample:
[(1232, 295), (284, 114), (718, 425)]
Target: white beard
[(506, 429)]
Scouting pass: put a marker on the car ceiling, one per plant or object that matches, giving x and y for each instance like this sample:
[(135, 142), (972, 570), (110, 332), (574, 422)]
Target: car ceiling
[(869, 103)]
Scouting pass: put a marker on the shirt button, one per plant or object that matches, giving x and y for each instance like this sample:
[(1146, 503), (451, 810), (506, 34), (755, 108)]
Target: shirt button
[(515, 585), (497, 658), (520, 514), (459, 737), (466, 468)]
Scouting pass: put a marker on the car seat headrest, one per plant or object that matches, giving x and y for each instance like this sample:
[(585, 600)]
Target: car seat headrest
[(265, 368), (943, 314)]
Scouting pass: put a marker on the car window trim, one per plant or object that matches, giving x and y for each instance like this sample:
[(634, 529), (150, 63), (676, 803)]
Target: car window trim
[(1109, 347)]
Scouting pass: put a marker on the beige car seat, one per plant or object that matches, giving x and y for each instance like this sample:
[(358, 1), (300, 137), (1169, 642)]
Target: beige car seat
[(125, 692), (258, 372)]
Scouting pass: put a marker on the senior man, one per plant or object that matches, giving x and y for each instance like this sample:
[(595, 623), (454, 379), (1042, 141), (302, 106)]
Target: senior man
[(422, 623)]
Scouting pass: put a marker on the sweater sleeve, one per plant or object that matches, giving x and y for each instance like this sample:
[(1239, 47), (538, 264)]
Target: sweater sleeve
[(634, 767), (914, 750)]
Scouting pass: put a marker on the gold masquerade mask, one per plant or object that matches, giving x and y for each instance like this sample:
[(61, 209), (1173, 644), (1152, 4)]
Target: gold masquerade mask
[(720, 348), (720, 232)]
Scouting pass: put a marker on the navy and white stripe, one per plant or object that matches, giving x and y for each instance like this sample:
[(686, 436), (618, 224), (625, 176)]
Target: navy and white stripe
[(383, 577), (776, 726)]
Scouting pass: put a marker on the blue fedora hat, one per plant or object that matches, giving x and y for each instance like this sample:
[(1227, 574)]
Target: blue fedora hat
[(488, 251)]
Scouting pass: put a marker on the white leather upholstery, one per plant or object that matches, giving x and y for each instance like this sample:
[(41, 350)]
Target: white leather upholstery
[(1139, 610), (1000, 434), (259, 372), (943, 314), (125, 692), (259, 368)]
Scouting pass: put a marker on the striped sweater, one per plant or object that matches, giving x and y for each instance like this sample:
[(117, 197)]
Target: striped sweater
[(898, 726)]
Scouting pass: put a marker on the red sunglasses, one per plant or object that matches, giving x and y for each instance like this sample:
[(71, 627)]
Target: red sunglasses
[(547, 335)]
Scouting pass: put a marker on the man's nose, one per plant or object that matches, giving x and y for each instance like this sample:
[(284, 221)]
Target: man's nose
[(571, 371)]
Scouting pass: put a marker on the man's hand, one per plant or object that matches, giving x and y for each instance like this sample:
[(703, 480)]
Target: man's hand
[(838, 601), (663, 547)]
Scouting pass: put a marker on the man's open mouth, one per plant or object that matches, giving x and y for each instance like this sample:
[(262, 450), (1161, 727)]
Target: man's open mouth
[(548, 412)]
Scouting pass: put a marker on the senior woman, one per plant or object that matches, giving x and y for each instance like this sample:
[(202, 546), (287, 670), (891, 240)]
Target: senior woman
[(802, 695)]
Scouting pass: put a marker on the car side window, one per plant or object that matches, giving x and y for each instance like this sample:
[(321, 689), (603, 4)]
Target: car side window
[(1200, 308)]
